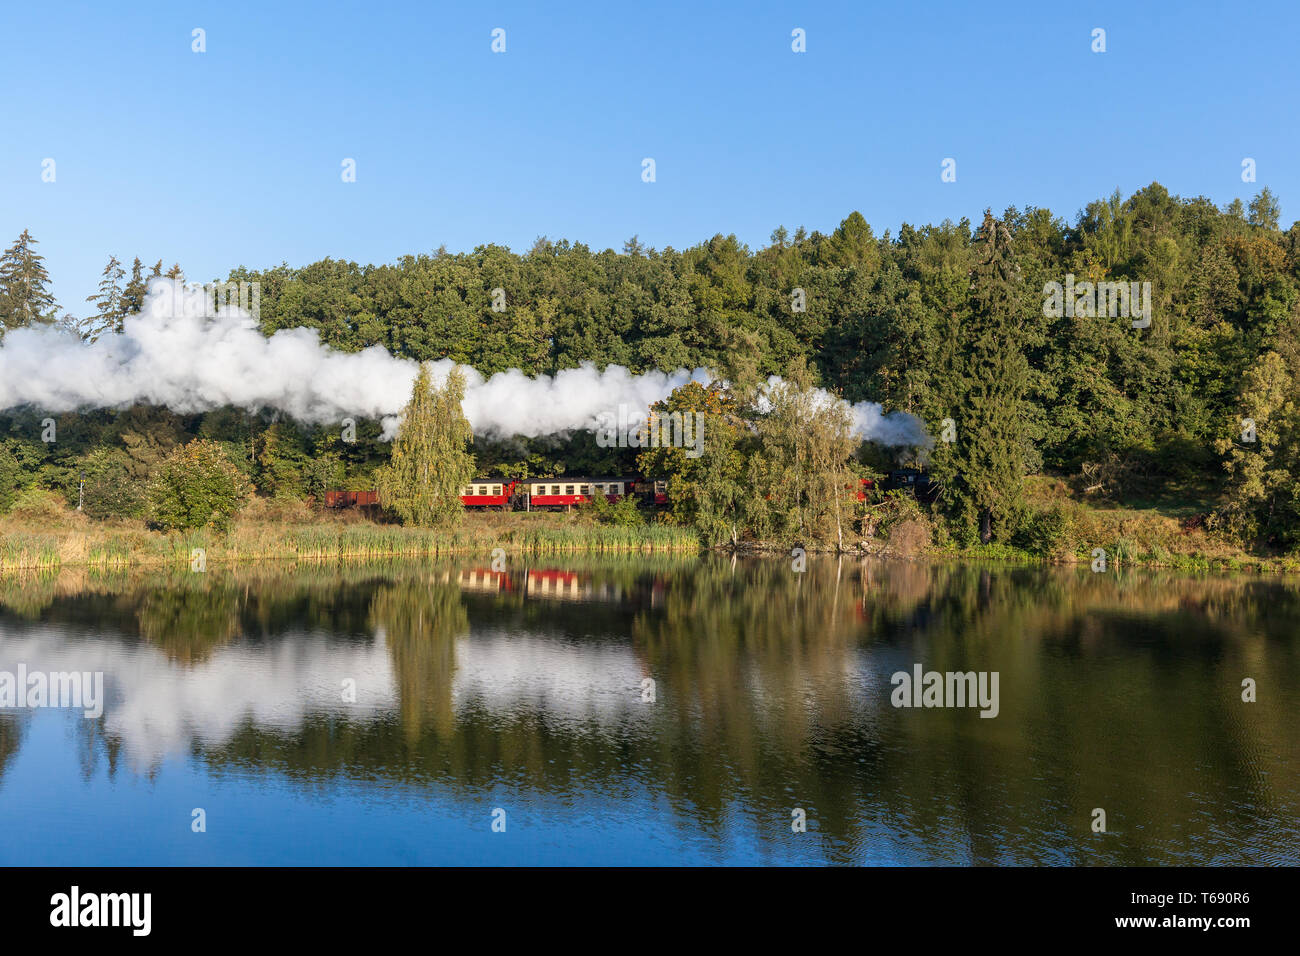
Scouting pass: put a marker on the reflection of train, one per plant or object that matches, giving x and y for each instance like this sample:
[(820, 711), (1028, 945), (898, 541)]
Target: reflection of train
[(481, 579), (557, 584)]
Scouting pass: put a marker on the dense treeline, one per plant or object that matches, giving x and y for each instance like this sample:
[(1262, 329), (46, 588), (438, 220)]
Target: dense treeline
[(894, 318)]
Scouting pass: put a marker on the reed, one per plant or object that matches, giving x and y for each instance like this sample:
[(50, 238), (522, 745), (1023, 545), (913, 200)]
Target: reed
[(112, 547), (25, 551)]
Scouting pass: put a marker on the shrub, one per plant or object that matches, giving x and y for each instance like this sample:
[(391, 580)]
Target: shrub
[(196, 486), (37, 505), (1045, 532), (12, 478), (895, 508), (910, 536), (278, 510), (110, 491), (622, 513)]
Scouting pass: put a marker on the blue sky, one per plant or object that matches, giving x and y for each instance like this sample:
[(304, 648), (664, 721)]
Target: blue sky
[(233, 156)]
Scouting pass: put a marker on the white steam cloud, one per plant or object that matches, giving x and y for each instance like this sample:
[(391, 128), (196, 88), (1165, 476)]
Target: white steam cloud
[(182, 353)]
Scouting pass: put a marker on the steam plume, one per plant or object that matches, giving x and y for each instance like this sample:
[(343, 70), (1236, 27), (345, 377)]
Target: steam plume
[(182, 353)]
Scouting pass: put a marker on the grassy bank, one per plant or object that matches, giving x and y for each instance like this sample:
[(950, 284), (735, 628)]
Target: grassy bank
[(1061, 526), (1161, 531), (59, 540), (1158, 533)]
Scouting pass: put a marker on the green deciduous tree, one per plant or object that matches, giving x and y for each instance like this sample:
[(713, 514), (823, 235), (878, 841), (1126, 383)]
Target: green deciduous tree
[(430, 459), (196, 486), (707, 491), (801, 484)]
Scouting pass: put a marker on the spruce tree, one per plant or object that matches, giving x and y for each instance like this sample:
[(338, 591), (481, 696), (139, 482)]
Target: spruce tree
[(107, 301), (24, 294), (136, 289), (982, 471)]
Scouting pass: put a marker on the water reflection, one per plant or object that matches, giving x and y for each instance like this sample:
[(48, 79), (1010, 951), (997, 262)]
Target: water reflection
[(771, 691)]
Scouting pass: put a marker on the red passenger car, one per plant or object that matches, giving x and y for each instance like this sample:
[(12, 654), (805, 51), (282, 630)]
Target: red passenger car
[(488, 493)]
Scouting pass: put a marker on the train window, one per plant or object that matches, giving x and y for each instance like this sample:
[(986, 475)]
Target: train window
[(496, 489), (568, 489), (616, 488), (584, 489)]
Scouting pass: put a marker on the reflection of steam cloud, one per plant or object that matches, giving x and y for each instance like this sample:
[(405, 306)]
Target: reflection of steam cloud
[(507, 673), (157, 707)]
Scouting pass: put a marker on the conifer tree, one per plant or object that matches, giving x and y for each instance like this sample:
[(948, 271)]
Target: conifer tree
[(24, 295), (108, 303), (982, 471), (136, 289)]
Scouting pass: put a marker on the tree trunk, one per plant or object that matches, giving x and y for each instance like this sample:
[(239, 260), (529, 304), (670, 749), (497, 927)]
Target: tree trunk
[(986, 526)]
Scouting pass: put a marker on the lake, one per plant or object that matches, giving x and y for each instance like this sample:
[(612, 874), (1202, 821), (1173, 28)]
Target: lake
[(653, 711)]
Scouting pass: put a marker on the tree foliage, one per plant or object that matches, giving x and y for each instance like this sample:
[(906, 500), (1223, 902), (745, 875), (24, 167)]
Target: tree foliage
[(196, 486), (928, 319), (430, 458)]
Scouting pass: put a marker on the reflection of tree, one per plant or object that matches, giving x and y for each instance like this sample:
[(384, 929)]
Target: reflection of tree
[(190, 618), (11, 739), (93, 743), (741, 650), (1117, 690), (27, 594), (420, 621)]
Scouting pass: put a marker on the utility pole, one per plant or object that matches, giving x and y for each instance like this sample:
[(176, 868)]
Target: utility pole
[(81, 491)]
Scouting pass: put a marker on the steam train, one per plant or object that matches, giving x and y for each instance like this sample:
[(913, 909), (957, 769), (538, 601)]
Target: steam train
[(530, 494), (553, 494)]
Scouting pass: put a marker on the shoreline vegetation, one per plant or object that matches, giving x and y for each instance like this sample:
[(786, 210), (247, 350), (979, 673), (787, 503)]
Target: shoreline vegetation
[(1158, 536), (1048, 431), (70, 540)]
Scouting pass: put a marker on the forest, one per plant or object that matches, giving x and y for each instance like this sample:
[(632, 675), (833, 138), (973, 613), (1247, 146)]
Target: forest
[(1200, 407)]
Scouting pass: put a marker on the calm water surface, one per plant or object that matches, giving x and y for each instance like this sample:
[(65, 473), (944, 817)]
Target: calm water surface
[(523, 692)]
